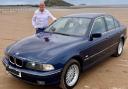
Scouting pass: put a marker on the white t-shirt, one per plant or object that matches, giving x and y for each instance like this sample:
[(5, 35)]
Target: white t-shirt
[(40, 19)]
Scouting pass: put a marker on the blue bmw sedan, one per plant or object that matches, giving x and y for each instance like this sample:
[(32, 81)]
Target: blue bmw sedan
[(66, 48)]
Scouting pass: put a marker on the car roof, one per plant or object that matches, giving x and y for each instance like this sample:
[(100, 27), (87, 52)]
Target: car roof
[(87, 15)]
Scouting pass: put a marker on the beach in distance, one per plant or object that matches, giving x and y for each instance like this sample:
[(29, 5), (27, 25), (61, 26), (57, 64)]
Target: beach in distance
[(15, 24)]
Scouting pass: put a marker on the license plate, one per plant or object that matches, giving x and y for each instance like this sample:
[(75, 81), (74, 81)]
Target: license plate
[(14, 72)]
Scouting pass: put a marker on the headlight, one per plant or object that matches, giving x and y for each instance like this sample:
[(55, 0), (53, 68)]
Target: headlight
[(42, 67), (47, 67)]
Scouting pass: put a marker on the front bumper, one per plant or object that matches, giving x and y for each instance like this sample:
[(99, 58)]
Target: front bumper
[(34, 77)]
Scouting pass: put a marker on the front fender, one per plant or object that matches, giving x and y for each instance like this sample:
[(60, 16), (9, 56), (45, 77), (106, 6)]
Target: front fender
[(62, 59), (67, 53)]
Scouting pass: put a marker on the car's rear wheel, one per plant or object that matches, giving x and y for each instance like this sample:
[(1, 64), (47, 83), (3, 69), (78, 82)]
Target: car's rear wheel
[(70, 74), (119, 49)]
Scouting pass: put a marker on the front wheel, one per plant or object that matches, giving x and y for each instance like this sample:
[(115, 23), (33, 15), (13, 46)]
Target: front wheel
[(119, 49), (70, 75)]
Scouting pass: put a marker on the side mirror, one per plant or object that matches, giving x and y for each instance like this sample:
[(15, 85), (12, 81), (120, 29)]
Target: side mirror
[(53, 29), (95, 35)]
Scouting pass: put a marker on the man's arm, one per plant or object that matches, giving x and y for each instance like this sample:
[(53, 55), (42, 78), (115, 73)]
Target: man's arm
[(34, 20), (51, 16)]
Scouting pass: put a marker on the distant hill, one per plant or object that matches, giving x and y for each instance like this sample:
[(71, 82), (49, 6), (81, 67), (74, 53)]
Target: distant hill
[(57, 3)]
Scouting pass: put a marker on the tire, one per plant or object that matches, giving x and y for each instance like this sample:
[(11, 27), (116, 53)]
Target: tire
[(119, 49), (67, 74)]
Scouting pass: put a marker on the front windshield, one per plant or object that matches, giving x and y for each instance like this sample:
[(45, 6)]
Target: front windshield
[(70, 26)]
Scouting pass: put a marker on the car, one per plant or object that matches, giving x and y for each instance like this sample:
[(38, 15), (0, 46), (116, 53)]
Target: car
[(65, 49)]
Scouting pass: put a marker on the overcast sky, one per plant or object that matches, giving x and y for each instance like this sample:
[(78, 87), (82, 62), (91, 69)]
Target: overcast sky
[(89, 2), (15, 2), (98, 2)]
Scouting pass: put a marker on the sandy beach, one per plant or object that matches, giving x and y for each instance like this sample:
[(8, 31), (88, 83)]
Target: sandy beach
[(110, 74)]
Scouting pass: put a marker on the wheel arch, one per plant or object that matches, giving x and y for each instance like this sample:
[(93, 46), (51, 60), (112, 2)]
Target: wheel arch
[(122, 38), (79, 59)]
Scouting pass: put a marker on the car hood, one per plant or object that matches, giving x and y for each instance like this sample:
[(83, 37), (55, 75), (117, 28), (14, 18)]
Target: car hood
[(37, 48)]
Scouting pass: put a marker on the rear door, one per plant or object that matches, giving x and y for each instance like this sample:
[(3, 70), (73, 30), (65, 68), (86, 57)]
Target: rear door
[(97, 47), (113, 32)]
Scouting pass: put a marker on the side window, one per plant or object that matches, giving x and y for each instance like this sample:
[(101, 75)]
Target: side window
[(110, 22), (117, 24), (99, 26)]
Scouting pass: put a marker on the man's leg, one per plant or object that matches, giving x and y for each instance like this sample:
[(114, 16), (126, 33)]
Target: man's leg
[(37, 30)]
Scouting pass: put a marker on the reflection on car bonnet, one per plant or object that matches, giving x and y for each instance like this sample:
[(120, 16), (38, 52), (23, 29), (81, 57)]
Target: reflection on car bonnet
[(44, 36)]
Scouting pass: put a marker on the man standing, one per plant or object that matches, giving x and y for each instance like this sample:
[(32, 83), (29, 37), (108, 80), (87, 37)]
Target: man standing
[(41, 18)]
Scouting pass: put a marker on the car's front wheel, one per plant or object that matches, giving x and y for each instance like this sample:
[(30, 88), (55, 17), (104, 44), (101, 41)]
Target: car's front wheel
[(119, 49), (70, 75)]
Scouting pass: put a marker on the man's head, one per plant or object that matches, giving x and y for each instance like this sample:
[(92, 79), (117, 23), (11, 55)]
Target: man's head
[(42, 6)]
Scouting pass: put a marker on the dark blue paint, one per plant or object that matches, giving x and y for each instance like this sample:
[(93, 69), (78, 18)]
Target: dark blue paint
[(60, 49)]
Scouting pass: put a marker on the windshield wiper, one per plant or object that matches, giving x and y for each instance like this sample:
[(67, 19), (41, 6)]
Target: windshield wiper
[(61, 33)]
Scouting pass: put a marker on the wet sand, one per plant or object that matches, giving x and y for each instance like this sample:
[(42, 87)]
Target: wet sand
[(110, 74)]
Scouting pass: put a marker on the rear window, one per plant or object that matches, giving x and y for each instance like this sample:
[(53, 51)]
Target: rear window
[(110, 22), (117, 24)]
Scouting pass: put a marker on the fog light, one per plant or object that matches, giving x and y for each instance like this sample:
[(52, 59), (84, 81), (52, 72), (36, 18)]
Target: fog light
[(40, 82)]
